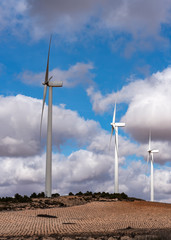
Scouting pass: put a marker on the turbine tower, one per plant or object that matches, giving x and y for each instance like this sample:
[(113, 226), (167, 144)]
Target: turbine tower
[(151, 158), (115, 127), (48, 83)]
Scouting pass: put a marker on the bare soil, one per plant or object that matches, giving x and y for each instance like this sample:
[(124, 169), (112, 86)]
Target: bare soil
[(73, 217)]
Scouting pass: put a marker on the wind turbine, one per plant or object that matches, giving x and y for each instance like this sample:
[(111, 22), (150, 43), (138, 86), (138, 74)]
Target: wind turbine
[(115, 127), (151, 158), (48, 83)]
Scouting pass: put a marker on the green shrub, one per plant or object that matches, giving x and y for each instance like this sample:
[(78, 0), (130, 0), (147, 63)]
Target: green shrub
[(33, 195), (26, 199), (18, 196), (41, 195), (71, 194), (88, 193), (124, 196), (104, 195), (79, 194), (55, 195)]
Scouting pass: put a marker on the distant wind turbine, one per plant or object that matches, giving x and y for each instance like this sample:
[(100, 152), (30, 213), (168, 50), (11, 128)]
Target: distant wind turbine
[(151, 158), (48, 83), (115, 127)]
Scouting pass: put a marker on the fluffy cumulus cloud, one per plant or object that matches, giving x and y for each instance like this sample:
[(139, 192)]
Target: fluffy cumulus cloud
[(80, 73), (90, 168), (20, 126), (70, 18), (23, 175), (20, 135), (148, 106), (81, 171)]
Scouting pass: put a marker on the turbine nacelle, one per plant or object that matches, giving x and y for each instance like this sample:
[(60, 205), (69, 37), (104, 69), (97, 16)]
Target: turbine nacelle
[(149, 146), (55, 84), (153, 151), (117, 125)]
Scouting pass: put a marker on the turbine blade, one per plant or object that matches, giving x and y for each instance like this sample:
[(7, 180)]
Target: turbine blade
[(148, 157), (111, 137), (44, 97), (47, 67), (114, 113), (116, 140)]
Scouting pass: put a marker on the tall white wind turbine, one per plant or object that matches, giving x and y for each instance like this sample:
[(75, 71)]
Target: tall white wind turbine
[(48, 83), (151, 159), (115, 127)]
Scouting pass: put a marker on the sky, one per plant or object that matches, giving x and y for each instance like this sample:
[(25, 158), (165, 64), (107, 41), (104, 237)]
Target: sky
[(103, 51)]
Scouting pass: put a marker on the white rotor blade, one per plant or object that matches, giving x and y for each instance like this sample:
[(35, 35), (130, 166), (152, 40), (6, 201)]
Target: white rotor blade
[(47, 67), (148, 158), (116, 139), (114, 113), (44, 97), (111, 137)]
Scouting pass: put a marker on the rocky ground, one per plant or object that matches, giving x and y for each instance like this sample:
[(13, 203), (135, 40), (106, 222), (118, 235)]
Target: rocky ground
[(75, 217)]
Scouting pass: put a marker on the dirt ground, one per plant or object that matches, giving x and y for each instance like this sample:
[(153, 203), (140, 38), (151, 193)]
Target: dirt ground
[(93, 220)]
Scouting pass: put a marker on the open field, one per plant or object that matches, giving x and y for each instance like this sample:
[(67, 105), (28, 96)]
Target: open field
[(96, 218)]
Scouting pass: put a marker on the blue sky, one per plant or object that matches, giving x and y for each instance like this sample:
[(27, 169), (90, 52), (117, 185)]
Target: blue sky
[(103, 51)]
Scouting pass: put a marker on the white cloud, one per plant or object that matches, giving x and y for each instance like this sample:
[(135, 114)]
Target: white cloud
[(80, 73), (159, 184), (22, 175), (147, 106), (20, 135), (12, 14), (72, 18), (23, 165), (65, 17), (20, 126), (138, 184), (81, 171)]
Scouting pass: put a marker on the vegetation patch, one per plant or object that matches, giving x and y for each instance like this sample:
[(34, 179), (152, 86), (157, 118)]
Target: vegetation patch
[(39, 200)]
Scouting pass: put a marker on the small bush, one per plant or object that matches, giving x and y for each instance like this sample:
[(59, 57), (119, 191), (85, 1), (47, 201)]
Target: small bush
[(124, 196), (25, 199), (79, 194), (88, 193), (71, 194), (33, 195), (41, 195), (18, 196), (104, 195), (55, 195), (7, 199)]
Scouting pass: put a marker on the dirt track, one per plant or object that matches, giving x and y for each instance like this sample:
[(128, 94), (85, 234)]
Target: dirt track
[(94, 217)]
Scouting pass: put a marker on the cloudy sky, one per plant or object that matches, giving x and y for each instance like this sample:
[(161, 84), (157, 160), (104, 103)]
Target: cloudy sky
[(103, 51)]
